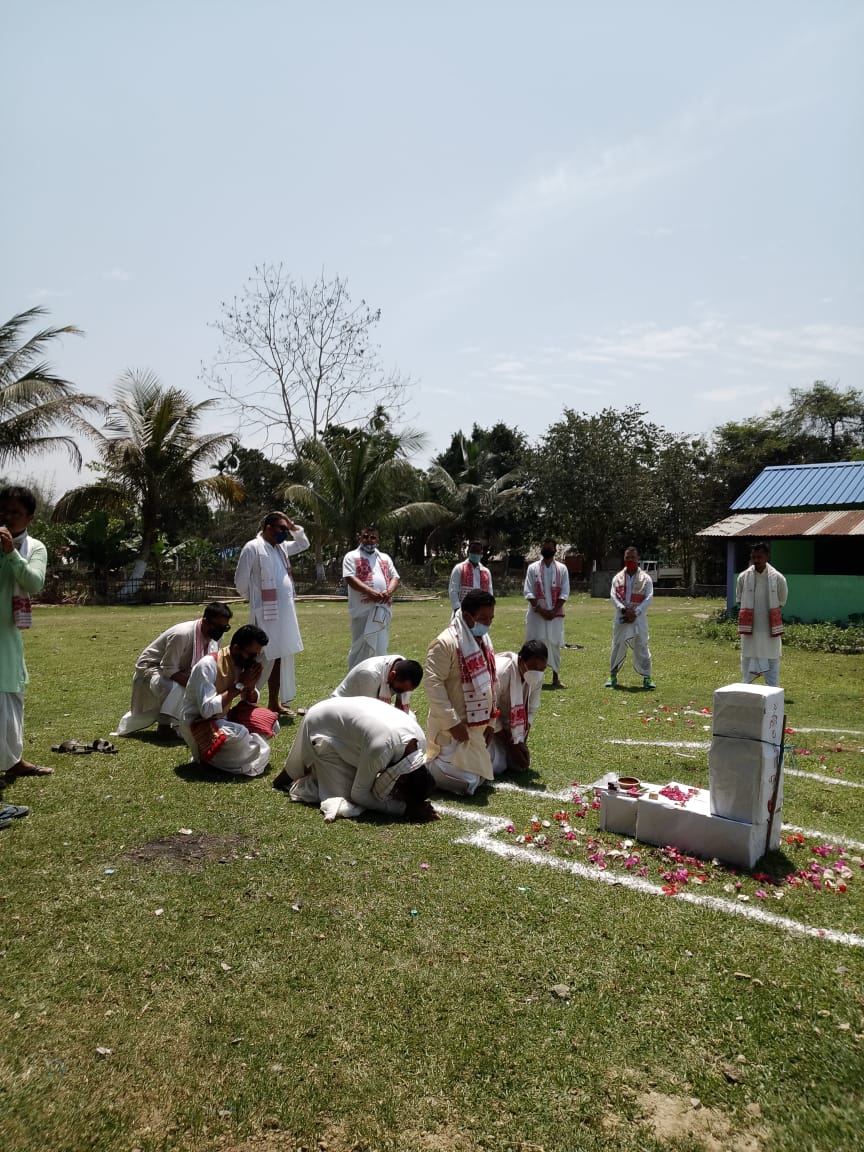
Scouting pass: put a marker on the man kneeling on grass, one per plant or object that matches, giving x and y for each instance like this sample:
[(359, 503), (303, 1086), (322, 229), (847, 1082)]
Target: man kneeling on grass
[(520, 679), (221, 733), (391, 679), (355, 753)]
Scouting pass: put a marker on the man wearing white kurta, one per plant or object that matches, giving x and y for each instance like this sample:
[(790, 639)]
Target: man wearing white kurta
[(632, 592), (22, 574), (469, 574), (162, 671), (520, 679), (388, 678), (547, 587), (355, 754), (460, 681), (215, 683), (761, 593), (263, 577), (372, 579)]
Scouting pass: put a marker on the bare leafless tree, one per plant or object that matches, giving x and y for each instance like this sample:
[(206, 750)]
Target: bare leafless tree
[(297, 357)]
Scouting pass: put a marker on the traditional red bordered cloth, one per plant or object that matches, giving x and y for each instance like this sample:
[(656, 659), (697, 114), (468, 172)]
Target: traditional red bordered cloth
[(256, 719), (207, 734), (363, 571), (638, 589), (516, 690), (267, 578), (467, 577), (477, 670), (200, 644), (748, 600), (539, 590), (22, 607)]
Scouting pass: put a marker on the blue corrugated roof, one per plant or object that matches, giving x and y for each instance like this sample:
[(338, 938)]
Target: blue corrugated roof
[(805, 486)]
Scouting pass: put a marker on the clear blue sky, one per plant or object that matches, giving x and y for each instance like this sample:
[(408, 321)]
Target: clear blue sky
[(553, 204)]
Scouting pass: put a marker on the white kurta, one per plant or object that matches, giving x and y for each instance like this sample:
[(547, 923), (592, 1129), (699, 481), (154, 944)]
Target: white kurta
[(760, 651), (29, 575), (155, 696), (626, 634), (343, 744), (283, 634), (370, 621), (244, 753), (551, 632), (366, 678), (457, 591)]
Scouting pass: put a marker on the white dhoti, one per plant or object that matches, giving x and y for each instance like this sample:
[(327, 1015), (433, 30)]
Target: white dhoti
[(459, 767), (244, 753), (287, 678), (500, 756), (370, 634), (551, 632), (11, 728), (753, 667), (155, 699), (633, 634)]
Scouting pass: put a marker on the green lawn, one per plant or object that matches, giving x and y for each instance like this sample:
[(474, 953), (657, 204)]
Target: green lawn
[(270, 982)]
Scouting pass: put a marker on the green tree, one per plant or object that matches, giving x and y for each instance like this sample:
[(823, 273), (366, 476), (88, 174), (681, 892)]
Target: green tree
[(152, 456), (478, 480), (34, 402), (591, 481), (360, 476)]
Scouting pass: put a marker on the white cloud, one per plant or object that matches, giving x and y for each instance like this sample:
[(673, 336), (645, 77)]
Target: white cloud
[(119, 275), (45, 294)]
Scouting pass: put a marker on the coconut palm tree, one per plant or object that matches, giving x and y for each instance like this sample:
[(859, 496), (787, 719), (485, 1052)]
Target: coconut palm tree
[(151, 456), (357, 477), (33, 401), (473, 492)]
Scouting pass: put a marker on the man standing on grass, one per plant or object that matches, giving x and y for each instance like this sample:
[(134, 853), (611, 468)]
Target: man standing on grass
[(461, 687), (162, 671), (355, 754), (391, 679), (520, 678), (547, 587), (469, 574), (23, 561), (632, 592), (372, 579), (219, 732), (761, 594), (263, 577)]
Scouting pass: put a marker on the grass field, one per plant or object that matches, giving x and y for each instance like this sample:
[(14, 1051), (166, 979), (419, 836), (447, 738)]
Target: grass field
[(265, 982)]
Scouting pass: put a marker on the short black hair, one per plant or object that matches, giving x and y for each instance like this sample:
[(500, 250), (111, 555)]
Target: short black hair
[(272, 518), (549, 540), (414, 787), (408, 670), (533, 650), (477, 598), (217, 608), (760, 546), (250, 634), (23, 495)]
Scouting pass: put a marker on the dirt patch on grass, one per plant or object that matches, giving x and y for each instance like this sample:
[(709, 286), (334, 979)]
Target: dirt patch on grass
[(676, 1118), (180, 850), (337, 1138)]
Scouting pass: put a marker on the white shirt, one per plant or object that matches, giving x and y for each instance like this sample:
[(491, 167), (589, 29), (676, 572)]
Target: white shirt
[(358, 604)]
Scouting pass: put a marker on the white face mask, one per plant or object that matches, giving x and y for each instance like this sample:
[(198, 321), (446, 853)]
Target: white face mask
[(532, 676)]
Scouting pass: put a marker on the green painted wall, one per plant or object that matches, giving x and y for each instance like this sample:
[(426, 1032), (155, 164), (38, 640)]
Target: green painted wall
[(793, 556), (822, 597)]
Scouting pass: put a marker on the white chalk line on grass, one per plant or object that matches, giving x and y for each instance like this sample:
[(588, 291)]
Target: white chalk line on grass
[(484, 837), (818, 776), (839, 731)]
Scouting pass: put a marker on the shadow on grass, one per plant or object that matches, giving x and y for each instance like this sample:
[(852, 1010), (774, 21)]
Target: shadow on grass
[(203, 774)]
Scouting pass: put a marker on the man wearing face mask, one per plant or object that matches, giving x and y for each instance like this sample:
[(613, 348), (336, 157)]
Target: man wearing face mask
[(461, 681), (221, 724), (469, 574), (162, 671), (263, 577), (353, 754), (520, 678), (632, 592), (372, 579), (22, 574), (547, 587)]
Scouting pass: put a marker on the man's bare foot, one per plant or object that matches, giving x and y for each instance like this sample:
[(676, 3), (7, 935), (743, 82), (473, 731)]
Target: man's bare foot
[(25, 768), (556, 683)]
